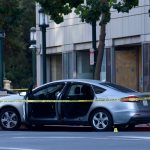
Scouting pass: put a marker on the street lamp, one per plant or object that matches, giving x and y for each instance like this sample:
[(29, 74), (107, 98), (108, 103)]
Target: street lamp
[(2, 36), (33, 48), (43, 24)]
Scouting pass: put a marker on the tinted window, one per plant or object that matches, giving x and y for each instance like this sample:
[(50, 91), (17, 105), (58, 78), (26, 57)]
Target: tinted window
[(77, 91), (117, 87), (49, 91), (98, 90)]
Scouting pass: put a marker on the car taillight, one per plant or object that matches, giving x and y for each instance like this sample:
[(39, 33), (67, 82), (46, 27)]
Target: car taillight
[(130, 99)]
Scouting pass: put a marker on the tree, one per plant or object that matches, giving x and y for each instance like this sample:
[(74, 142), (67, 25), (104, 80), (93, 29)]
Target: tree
[(92, 10), (15, 25)]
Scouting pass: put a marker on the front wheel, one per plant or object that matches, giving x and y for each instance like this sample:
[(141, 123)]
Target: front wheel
[(9, 119), (101, 120)]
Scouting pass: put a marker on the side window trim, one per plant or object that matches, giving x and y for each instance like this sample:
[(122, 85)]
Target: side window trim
[(101, 90)]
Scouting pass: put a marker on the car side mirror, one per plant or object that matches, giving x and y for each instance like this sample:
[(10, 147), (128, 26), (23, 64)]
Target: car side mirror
[(22, 93)]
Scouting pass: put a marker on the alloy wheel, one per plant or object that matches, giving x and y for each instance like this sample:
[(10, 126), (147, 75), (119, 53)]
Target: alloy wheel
[(9, 119), (101, 120)]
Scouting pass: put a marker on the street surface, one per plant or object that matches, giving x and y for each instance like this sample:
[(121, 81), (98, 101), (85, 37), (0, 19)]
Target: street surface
[(73, 138)]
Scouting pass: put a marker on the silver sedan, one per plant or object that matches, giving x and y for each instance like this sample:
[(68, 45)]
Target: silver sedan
[(101, 105)]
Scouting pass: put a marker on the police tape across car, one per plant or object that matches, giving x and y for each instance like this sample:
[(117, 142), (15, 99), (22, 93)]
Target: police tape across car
[(101, 105)]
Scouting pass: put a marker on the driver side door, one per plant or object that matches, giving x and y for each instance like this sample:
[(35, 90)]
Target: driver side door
[(43, 110)]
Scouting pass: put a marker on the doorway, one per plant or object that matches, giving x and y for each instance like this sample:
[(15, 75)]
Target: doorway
[(128, 67)]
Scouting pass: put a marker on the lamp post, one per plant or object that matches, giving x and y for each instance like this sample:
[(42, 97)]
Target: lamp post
[(43, 24), (33, 48), (2, 36)]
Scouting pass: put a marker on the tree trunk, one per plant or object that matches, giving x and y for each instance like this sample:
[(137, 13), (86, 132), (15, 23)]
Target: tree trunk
[(100, 54)]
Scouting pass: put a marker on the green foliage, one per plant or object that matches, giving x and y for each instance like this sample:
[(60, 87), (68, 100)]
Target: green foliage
[(56, 9), (16, 16), (125, 5), (93, 9)]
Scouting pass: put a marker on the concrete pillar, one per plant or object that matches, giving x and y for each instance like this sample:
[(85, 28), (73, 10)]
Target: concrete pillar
[(7, 84), (146, 66)]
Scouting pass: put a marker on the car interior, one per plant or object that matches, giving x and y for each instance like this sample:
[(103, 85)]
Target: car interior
[(44, 109), (77, 92)]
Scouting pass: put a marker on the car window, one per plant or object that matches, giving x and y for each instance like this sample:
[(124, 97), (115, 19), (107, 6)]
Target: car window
[(49, 90), (117, 87), (77, 91), (98, 90)]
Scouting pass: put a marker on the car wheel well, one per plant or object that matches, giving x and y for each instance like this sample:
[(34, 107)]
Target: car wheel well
[(99, 108), (10, 107)]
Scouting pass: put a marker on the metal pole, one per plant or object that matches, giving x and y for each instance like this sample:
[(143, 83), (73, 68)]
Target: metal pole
[(44, 52), (34, 65), (1, 58), (94, 44)]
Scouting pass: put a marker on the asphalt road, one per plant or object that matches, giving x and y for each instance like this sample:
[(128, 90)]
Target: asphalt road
[(62, 138)]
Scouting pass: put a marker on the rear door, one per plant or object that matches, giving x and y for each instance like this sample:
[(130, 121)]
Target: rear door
[(73, 108)]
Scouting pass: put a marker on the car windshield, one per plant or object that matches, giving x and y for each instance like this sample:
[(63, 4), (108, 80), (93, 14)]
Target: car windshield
[(117, 87)]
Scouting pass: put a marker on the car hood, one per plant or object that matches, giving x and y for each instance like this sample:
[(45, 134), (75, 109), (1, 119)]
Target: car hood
[(12, 97)]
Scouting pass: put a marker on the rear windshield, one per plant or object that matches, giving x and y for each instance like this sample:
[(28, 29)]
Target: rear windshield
[(117, 87)]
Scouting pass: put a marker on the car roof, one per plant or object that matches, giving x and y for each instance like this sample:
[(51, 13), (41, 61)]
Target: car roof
[(102, 84), (88, 81), (81, 80)]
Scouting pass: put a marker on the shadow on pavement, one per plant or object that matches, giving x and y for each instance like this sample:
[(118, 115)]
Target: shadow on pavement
[(62, 128), (59, 128), (80, 129)]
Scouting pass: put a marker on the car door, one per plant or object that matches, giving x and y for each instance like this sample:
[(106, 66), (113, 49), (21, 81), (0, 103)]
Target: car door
[(46, 110), (73, 108)]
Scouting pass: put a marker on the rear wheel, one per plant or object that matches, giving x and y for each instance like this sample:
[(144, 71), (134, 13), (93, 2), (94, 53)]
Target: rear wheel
[(101, 120), (9, 119)]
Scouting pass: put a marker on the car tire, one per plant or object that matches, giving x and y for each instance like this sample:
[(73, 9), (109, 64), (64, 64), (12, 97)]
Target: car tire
[(9, 119), (101, 120)]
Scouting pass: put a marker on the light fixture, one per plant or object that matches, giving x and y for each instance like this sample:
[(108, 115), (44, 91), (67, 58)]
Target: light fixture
[(43, 18), (33, 36)]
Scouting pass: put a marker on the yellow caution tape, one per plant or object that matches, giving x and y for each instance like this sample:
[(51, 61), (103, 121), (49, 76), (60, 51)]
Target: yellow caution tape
[(54, 101), (80, 101), (18, 89)]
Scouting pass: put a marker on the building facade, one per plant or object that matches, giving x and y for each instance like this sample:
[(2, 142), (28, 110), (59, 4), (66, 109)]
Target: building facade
[(127, 51)]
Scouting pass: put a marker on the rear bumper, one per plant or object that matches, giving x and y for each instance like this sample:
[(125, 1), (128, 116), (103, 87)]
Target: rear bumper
[(140, 119)]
